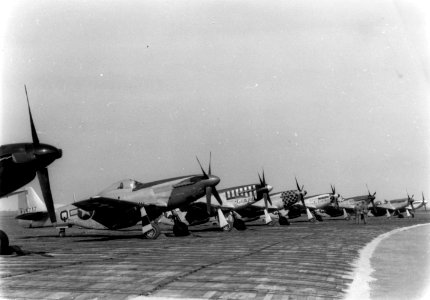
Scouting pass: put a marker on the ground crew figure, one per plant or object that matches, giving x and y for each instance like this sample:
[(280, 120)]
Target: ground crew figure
[(361, 211)]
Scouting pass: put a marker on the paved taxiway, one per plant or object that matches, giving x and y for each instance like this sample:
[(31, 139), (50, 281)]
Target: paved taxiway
[(301, 261)]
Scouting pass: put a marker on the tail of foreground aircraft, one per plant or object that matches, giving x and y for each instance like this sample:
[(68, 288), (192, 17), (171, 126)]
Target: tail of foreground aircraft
[(32, 211)]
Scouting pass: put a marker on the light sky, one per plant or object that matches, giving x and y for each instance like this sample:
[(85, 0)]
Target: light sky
[(333, 92)]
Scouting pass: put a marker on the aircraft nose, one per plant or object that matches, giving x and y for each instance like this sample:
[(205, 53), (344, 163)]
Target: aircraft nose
[(44, 150), (213, 180)]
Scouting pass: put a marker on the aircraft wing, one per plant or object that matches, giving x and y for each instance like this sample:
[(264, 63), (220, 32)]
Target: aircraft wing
[(111, 213), (97, 203)]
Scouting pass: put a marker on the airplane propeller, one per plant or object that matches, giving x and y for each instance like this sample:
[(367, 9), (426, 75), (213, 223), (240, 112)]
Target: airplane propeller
[(42, 174), (302, 193), (265, 190), (371, 198), (209, 189), (424, 202), (334, 196), (411, 202)]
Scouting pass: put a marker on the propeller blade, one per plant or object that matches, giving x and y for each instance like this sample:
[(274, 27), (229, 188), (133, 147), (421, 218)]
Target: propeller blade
[(268, 199), (261, 181), (210, 160), (264, 179), (368, 189), (265, 200), (203, 171), (33, 128), (297, 184), (47, 195), (216, 195), (208, 199), (373, 206)]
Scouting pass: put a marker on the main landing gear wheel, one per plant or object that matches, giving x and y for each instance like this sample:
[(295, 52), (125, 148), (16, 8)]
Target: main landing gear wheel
[(180, 229), (401, 216), (239, 224), (319, 218), (154, 233), (313, 220), (283, 221), (4, 243)]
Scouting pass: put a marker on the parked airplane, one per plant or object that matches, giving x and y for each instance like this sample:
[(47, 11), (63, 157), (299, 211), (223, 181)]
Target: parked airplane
[(346, 206), (125, 203), (19, 164), (315, 204), (282, 205), (394, 207), (233, 199)]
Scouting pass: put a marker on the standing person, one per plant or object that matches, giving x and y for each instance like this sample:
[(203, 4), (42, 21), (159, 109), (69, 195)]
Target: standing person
[(361, 211)]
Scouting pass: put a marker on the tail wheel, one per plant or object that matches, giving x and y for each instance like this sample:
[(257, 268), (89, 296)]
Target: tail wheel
[(154, 233), (4, 243), (180, 229), (239, 224)]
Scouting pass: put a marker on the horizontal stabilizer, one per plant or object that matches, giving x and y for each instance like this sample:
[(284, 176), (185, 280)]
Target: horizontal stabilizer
[(33, 216)]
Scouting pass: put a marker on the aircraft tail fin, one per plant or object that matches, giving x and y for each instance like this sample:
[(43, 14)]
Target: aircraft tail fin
[(29, 203)]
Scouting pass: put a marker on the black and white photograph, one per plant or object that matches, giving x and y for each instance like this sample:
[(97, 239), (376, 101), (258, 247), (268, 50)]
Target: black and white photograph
[(214, 149)]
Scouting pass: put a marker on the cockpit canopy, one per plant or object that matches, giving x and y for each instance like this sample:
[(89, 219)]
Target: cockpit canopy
[(125, 184)]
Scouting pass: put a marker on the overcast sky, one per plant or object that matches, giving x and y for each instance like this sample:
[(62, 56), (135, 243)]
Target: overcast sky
[(333, 92)]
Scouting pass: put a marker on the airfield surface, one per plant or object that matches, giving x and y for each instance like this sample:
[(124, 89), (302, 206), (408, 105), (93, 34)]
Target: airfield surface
[(301, 261)]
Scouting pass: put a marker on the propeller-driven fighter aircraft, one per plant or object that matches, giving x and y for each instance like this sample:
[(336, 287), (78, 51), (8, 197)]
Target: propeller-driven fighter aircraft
[(19, 164), (233, 199), (315, 204), (394, 207), (282, 204), (346, 206), (125, 203)]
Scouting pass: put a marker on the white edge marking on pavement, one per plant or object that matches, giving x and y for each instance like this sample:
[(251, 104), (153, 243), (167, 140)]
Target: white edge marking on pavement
[(360, 288)]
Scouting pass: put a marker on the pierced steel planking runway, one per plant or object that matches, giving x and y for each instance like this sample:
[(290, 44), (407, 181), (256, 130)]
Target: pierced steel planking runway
[(301, 261)]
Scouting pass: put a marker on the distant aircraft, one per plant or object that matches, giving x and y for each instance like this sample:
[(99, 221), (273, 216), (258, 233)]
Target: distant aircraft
[(394, 207), (19, 164), (346, 206), (233, 200), (125, 203)]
